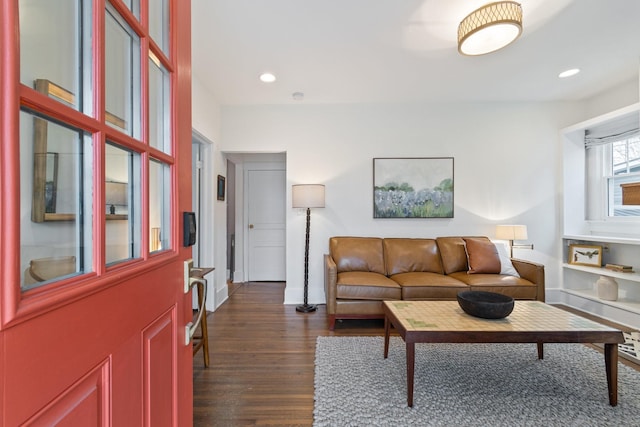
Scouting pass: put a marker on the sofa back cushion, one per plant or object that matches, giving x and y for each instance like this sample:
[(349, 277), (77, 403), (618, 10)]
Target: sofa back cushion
[(454, 256), (357, 254), (411, 255)]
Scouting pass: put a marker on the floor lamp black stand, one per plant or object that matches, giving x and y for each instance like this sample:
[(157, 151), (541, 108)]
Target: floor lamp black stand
[(306, 307), (307, 196)]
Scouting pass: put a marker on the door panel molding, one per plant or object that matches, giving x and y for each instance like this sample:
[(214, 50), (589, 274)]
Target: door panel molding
[(87, 402), (160, 397)]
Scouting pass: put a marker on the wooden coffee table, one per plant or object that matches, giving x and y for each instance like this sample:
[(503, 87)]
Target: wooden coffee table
[(530, 322)]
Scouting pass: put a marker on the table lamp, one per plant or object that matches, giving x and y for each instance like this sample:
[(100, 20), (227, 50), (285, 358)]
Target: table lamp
[(511, 233)]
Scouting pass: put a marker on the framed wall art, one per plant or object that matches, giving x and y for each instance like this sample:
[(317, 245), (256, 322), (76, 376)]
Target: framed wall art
[(590, 255), (221, 187), (413, 187)]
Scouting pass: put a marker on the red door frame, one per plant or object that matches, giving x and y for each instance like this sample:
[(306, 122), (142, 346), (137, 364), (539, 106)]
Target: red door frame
[(113, 333)]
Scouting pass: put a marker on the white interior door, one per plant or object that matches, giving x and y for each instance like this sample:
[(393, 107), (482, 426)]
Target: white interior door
[(266, 213)]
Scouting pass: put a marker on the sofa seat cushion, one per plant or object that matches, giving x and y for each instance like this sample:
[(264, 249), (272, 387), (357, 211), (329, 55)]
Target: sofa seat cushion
[(512, 286), (428, 286), (366, 285)]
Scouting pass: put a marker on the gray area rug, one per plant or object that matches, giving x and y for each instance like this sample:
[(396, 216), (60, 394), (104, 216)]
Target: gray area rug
[(468, 385)]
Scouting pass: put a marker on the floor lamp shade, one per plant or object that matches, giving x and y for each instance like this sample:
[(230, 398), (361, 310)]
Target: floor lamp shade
[(308, 196)]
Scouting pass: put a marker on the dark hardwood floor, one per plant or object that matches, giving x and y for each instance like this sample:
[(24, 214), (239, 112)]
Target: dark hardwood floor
[(262, 359)]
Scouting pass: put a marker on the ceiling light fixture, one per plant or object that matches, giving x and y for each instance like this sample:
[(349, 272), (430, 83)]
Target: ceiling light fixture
[(569, 73), (267, 78), (489, 28)]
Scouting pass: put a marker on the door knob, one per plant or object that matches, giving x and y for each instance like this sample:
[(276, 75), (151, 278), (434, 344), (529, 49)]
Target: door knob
[(250, 225)]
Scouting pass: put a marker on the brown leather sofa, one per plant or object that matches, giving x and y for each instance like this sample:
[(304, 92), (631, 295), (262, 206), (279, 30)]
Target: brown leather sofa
[(361, 272)]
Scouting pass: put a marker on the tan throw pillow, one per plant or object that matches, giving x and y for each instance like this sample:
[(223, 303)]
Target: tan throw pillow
[(482, 256)]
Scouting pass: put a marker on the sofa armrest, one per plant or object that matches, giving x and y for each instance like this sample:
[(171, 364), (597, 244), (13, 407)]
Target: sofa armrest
[(330, 283), (533, 272)]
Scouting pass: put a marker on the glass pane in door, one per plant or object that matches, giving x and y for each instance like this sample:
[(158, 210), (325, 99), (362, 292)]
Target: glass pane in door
[(159, 98), (159, 206), (122, 75), (159, 23), (54, 38), (122, 204), (55, 201)]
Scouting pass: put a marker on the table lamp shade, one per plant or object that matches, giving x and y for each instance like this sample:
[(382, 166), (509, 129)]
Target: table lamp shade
[(511, 232), (308, 196)]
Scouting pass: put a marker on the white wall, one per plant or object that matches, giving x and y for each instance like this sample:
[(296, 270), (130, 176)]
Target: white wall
[(206, 121), (507, 170), (610, 100)]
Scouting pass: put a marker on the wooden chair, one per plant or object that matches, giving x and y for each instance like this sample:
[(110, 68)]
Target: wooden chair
[(202, 340)]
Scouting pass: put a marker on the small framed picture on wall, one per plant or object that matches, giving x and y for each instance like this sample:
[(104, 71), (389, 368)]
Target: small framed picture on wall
[(221, 187), (590, 255)]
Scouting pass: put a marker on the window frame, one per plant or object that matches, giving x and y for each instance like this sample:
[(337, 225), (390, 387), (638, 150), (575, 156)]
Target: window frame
[(600, 197)]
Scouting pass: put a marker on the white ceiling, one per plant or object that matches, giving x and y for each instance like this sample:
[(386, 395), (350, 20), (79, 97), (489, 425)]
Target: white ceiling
[(380, 51)]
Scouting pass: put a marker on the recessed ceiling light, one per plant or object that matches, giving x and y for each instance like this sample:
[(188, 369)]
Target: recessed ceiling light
[(569, 73), (267, 77)]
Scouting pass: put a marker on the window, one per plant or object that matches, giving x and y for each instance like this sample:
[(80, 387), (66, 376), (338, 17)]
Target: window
[(612, 160), (624, 168)]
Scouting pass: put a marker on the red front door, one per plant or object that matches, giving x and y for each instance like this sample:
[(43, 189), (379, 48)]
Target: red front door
[(95, 142)]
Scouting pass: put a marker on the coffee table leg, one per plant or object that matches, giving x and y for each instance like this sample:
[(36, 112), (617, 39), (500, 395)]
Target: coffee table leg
[(540, 350), (611, 365), (386, 336), (411, 358)]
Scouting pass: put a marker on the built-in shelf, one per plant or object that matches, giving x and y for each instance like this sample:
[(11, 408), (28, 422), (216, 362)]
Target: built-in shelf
[(116, 217), (59, 217), (72, 217), (634, 277), (623, 304), (602, 239), (576, 277)]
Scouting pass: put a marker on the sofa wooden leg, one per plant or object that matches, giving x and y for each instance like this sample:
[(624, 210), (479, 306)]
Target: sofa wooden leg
[(332, 322)]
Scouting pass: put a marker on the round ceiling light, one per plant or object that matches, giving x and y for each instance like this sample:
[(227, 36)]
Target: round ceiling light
[(489, 28), (267, 78)]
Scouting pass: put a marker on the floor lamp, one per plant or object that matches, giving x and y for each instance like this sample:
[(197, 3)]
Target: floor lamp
[(307, 196)]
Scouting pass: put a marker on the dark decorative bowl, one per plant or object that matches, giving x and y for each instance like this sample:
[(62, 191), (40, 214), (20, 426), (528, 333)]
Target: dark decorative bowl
[(488, 305)]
